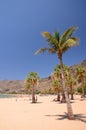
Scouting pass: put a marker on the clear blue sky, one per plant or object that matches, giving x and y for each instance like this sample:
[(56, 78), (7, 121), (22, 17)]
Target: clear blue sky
[(21, 24)]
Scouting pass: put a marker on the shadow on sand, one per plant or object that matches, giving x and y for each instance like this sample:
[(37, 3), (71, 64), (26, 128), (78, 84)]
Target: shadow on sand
[(36, 102), (79, 117)]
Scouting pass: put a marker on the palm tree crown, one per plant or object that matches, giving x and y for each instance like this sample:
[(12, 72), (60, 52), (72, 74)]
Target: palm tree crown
[(57, 44)]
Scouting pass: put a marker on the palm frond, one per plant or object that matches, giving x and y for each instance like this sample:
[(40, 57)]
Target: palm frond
[(51, 40), (57, 84), (56, 36), (45, 49), (69, 43), (73, 41), (67, 34)]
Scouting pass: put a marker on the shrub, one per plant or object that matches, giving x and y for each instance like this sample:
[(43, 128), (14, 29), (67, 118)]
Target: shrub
[(79, 89)]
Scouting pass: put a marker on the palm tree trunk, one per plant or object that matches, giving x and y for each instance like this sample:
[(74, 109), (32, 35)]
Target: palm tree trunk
[(72, 97), (63, 100), (33, 94), (83, 92), (58, 96), (69, 107)]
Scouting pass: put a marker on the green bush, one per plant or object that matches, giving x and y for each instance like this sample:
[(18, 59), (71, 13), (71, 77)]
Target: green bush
[(79, 89), (13, 92)]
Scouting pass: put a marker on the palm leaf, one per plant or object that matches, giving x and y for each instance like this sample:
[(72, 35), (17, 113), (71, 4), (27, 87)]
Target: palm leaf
[(45, 49), (57, 84), (51, 40), (56, 36), (73, 41), (67, 34)]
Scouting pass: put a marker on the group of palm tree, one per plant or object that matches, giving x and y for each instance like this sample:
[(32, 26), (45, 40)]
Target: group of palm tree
[(81, 77), (73, 78), (69, 80), (58, 45)]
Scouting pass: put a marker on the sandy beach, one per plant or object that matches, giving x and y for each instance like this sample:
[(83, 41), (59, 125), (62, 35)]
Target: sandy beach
[(21, 114)]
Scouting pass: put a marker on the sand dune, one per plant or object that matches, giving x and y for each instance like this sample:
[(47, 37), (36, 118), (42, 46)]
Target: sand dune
[(21, 114)]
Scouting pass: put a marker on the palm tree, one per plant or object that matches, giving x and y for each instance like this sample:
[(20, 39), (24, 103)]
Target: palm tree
[(71, 82), (32, 81), (57, 74), (56, 85), (59, 45), (81, 74)]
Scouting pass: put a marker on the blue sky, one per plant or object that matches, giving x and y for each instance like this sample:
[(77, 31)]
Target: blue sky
[(21, 25)]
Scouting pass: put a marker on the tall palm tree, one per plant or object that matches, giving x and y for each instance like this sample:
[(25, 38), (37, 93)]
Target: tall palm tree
[(81, 74), (31, 82), (59, 45)]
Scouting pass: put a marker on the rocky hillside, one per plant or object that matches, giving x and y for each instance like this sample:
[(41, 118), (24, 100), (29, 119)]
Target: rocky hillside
[(83, 63), (11, 86), (18, 86)]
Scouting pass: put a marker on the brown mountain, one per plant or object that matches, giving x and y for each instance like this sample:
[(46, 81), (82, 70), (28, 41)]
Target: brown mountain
[(83, 63), (18, 86)]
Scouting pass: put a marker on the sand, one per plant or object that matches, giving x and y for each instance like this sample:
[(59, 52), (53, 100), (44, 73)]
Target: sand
[(21, 114)]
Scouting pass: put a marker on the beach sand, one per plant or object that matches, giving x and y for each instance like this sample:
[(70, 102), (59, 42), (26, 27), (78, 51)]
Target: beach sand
[(21, 114)]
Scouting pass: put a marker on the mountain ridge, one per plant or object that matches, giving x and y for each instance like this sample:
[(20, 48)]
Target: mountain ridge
[(18, 86)]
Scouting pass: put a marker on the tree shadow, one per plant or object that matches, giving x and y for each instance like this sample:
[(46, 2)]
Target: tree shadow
[(39, 102), (79, 117), (36, 102), (65, 102), (83, 99)]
